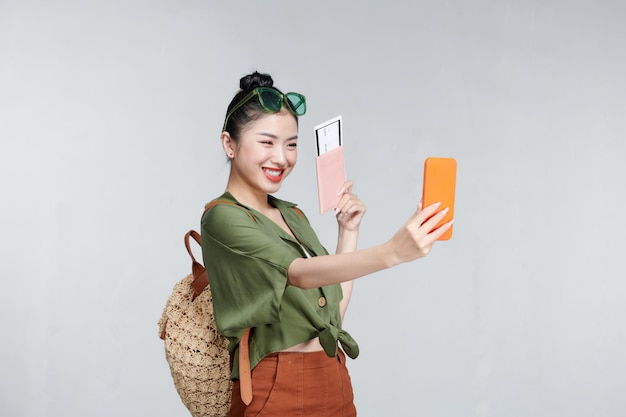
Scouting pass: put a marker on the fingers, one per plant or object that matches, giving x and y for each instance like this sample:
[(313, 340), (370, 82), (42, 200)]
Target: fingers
[(433, 220), (349, 202), (346, 188), (423, 226), (415, 239), (437, 233), (421, 215), (350, 209), (349, 206)]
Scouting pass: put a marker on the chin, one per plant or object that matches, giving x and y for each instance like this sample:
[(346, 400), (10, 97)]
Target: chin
[(274, 188)]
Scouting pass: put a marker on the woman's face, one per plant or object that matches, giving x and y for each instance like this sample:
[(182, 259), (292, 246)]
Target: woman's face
[(266, 153)]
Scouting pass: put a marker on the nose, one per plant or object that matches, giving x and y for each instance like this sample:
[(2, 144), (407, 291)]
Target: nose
[(278, 156)]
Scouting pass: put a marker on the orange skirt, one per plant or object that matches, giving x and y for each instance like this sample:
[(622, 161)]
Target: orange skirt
[(296, 384)]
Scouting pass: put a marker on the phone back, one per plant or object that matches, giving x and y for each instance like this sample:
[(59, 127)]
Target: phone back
[(439, 186)]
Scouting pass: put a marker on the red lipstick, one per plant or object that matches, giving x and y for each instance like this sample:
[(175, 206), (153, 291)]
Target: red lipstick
[(274, 178)]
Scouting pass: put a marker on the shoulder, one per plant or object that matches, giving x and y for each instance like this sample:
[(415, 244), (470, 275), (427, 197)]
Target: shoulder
[(225, 207), (224, 213)]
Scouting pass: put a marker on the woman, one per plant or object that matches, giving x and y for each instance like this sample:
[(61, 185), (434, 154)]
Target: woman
[(269, 272)]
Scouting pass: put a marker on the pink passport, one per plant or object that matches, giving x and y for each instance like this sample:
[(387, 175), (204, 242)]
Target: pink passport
[(331, 175)]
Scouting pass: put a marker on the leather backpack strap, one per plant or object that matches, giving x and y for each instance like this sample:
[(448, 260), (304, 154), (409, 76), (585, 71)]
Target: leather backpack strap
[(245, 375), (200, 276), (298, 212), (214, 203)]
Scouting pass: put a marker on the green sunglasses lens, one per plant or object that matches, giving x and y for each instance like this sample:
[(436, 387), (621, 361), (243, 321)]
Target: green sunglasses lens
[(297, 103), (270, 99)]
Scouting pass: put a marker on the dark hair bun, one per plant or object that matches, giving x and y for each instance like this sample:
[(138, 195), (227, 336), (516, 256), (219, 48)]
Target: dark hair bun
[(255, 80)]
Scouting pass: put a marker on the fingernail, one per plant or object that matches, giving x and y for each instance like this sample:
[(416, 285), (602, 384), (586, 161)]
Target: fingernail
[(341, 191), (444, 211)]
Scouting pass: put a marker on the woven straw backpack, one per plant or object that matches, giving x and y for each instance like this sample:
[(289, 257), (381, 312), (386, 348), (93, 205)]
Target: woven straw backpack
[(195, 351)]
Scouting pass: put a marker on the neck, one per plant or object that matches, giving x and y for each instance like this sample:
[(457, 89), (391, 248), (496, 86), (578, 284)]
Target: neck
[(249, 197)]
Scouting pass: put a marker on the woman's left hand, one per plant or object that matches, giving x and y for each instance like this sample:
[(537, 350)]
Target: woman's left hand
[(350, 210)]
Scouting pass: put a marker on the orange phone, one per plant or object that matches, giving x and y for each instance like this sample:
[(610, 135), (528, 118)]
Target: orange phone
[(439, 186)]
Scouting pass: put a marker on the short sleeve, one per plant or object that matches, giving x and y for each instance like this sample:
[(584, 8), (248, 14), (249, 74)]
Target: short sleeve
[(247, 264)]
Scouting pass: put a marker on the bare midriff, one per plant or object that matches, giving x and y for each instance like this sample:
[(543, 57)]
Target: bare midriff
[(312, 345)]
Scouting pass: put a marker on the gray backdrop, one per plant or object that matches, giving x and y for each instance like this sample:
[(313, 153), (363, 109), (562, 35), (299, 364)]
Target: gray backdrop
[(110, 115)]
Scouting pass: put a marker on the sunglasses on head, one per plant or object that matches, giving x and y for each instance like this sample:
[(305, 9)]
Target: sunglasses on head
[(272, 100)]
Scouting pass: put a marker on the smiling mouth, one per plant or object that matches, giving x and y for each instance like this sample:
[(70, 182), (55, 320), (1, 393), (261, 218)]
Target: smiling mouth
[(274, 175)]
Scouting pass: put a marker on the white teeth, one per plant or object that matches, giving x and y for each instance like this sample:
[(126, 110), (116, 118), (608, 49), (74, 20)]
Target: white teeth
[(272, 173)]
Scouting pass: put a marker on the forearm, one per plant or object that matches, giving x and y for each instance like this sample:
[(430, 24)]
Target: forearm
[(347, 240), (414, 240), (334, 269)]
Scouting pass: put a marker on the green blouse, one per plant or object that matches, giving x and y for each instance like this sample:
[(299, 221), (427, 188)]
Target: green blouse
[(247, 256)]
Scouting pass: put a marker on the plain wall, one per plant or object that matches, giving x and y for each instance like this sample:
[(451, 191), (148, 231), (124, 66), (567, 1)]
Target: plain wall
[(110, 114)]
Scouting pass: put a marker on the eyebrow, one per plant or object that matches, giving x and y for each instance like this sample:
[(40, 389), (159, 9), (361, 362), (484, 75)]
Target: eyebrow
[(271, 135)]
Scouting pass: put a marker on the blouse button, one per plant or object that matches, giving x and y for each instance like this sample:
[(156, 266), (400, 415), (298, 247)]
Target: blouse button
[(321, 301)]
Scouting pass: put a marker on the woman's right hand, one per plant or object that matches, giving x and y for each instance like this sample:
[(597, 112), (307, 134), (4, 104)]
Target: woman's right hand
[(415, 239)]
